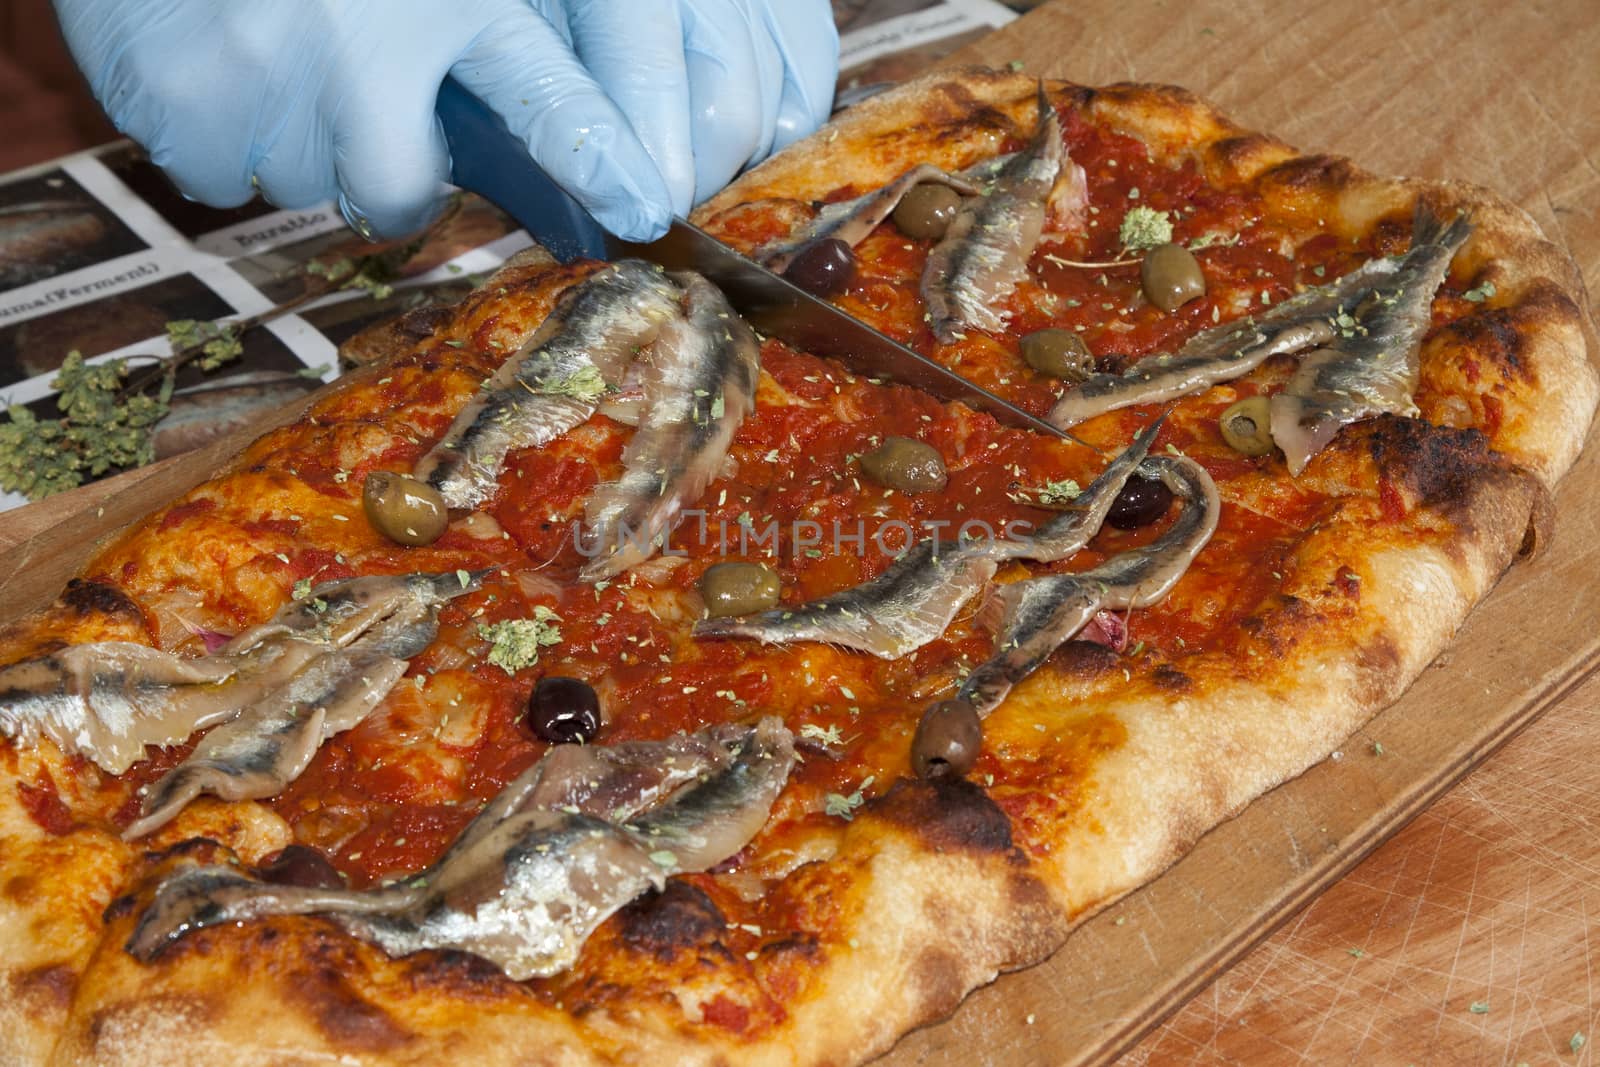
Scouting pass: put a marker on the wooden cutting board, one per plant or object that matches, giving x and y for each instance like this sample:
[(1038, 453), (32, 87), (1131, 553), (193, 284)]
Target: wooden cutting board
[(1498, 94), (1465, 90)]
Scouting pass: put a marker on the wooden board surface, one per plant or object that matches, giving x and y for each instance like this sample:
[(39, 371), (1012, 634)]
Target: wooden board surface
[(1486, 899)]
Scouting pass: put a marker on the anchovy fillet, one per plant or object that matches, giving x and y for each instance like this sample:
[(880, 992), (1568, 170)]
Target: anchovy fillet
[(335, 613), (1223, 353), (613, 782), (272, 740), (1073, 528), (1041, 614), (1360, 337), (553, 382), (851, 221), (258, 753), (1373, 363), (699, 382), (985, 251), (528, 881), (893, 615), (919, 595), (108, 700)]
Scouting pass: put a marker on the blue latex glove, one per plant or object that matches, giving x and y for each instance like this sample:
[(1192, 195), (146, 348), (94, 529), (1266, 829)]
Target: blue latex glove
[(637, 107), (709, 85)]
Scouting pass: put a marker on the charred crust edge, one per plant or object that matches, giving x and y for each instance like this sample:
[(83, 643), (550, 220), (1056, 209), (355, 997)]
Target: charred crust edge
[(679, 917), (1437, 466), (350, 1020), (948, 814), (1085, 659), (89, 597)]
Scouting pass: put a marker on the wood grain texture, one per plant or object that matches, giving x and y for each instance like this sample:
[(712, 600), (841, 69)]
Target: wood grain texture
[(1476, 90), (1491, 898), (1487, 897), (26, 523), (44, 544)]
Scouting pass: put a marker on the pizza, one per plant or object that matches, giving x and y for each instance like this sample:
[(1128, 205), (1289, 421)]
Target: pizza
[(596, 681)]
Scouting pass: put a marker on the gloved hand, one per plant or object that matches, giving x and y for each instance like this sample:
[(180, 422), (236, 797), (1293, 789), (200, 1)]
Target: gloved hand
[(709, 85), (311, 98)]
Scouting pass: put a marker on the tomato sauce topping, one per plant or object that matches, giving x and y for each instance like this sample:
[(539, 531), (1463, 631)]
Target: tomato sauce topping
[(387, 797)]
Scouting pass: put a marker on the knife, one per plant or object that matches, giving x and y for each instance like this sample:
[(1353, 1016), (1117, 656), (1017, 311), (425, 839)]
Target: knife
[(487, 159)]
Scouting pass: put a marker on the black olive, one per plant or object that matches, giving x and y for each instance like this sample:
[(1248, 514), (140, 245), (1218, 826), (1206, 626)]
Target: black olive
[(824, 268), (948, 739), (404, 510), (564, 711), (925, 211), (1141, 502), (906, 464), (738, 588), (301, 866)]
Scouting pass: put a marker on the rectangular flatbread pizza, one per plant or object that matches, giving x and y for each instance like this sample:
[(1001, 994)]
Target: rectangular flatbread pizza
[(596, 681)]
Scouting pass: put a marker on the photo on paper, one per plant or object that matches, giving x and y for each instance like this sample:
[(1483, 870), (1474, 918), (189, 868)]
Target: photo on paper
[(852, 15), (206, 405), (129, 163), (39, 345), (280, 274), (908, 62), (887, 41), (49, 225)]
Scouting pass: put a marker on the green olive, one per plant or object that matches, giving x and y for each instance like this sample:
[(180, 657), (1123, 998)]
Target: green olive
[(1171, 277), (1058, 353), (404, 510), (738, 589), (924, 213), (1245, 426), (905, 464), (948, 740)]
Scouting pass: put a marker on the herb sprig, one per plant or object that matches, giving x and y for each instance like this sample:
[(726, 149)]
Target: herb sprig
[(1057, 495), (109, 410), (1142, 229), (99, 430)]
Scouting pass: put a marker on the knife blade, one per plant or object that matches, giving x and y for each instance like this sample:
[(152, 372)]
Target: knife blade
[(487, 159)]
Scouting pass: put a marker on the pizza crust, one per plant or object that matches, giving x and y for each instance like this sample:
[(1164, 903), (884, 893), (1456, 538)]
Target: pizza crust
[(953, 118), (932, 892), (931, 896)]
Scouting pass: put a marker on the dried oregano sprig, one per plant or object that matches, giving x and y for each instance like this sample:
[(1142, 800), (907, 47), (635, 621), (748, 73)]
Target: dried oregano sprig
[(109, 410), (98, 431)]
